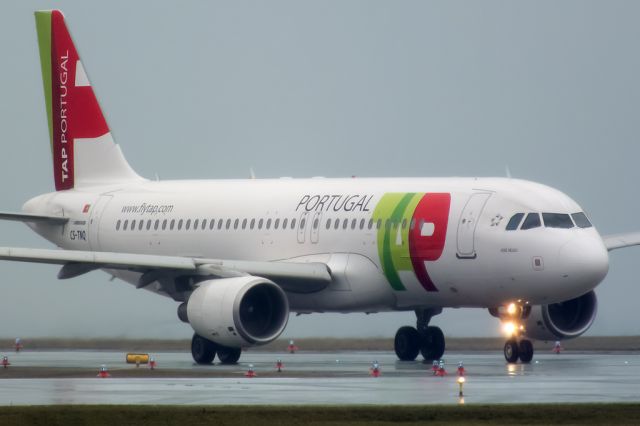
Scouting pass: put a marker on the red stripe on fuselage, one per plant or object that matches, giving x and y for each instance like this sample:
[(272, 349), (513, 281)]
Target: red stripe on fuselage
[(434, 209)]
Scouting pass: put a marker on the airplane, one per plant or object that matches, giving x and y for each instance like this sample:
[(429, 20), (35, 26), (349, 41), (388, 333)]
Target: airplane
[(238, 256)]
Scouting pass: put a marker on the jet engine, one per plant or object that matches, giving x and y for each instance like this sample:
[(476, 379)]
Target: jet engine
[(239, 311), (564, 320)]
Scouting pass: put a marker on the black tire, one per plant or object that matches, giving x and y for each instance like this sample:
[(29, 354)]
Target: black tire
[(203, 351), (432, 344), (511, 351), (407, 343), (526, 351), (228, 355)]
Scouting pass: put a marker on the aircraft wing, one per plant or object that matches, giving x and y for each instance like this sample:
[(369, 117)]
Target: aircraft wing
[(291, 276), (617, 241), (26, 217)]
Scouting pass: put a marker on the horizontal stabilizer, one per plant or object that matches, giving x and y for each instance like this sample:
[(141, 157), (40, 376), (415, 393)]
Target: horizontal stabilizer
[(618, 241), (33, 218)]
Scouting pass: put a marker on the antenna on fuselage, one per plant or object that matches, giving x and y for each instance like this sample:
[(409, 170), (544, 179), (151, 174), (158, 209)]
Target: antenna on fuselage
[(507, 171), (252, 174)]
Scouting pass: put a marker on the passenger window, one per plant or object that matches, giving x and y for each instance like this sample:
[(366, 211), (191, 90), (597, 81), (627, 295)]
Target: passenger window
[(173, 224), (244, 223), (293, 223), (118, 225), (316, 222), (514, 221), (581, 220), (532, 221), (157, 224), (212, 224), (188, 224), (302, 223), (328, 223), (228, 224), (140, 225), (236, 223), (252, 224), (133, 225), (276, 223), (361, 223), (336, 225), (204, 224), (269, 223), (260, 222), (353, 223), (195, 224), (148, 224), (284, 223), (379, 224), (557, 220), (412, 224), (124, 227), (220, 222), (370, 224), (404, 223), (345, 223), (179, 224)]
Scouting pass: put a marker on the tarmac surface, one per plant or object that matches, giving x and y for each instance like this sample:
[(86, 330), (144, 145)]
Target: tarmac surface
[(69, 377)]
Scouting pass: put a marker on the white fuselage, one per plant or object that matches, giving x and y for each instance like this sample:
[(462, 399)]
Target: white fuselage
[(356, 227)]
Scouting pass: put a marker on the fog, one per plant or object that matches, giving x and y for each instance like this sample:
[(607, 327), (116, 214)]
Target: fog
[(199, 89)]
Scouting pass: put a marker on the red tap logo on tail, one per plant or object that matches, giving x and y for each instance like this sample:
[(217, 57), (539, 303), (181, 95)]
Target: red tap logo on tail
[(72, 107)]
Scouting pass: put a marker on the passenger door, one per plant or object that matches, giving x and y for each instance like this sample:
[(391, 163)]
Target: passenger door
[(467, 225)]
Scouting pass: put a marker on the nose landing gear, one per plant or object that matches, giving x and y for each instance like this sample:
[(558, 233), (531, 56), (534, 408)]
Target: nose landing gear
[(517, 346), (514, 349)]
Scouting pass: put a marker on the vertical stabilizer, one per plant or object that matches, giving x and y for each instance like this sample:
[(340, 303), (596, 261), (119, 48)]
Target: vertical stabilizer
[(83, 150)]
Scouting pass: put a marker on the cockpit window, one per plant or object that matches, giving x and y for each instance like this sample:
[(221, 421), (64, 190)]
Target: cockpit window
[(557, 220), (514, 221), (532, 221), (581, 220)]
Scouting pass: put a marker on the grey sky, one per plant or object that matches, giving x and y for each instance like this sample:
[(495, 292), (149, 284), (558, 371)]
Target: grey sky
[(333, 88)]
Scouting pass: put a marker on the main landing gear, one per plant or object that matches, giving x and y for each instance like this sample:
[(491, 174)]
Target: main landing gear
[(424, 339), (516, 347), (204, 351)]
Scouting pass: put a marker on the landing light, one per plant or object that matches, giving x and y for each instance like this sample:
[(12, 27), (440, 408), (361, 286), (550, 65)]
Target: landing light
[(512, 309), (509, 328)]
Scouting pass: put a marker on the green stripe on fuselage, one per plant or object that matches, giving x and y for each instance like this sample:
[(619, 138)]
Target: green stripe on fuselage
[(393, 239), (43, 26)]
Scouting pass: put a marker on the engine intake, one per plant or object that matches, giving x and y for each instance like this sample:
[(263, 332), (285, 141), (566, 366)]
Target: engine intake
[(238, 311), (564, 320)]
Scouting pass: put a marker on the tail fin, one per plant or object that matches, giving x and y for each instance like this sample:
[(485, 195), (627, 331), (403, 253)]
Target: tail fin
[(84, 152)]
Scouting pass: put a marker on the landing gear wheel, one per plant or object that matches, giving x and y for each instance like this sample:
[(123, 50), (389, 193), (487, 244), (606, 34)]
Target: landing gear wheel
[(511, 351), (203, 351), (526, 351), (432, 343), (228, 355), (407, 343)]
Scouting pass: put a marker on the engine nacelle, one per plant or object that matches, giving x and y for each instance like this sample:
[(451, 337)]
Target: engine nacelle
[(240, 311), (564, 320)]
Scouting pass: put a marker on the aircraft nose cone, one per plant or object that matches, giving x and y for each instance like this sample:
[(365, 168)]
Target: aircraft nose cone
[(585, 261)]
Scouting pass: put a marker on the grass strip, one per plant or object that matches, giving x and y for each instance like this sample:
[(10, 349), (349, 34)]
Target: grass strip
[(140, 415)]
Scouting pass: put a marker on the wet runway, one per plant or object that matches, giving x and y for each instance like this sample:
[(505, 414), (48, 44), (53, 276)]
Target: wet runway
[(330, 378)]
